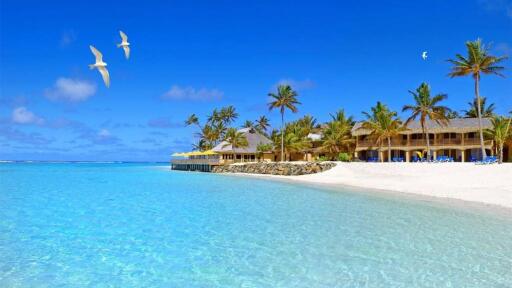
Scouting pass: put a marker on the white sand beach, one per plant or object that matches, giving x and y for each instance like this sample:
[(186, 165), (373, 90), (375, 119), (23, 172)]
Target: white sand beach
[(489, 184)]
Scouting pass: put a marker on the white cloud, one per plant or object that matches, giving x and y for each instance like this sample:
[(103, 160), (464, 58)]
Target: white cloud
[(104, 133), (22, 115), (296, 84), (189, 93), (71, 90)]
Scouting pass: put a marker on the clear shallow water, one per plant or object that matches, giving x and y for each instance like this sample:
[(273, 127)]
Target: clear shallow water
[(135, 225)]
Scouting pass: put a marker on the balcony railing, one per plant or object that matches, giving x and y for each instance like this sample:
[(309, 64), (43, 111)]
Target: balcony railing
[(198, 161), (422, 142)]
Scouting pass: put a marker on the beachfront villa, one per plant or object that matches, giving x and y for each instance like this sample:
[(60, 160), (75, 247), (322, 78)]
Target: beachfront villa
[(458, 140), (224, 153)]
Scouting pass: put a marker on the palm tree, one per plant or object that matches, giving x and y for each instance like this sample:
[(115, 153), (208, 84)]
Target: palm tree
[(192, 119), (383, 124), (219, 129), (202, 145), (486, 112), (215, 117), (426, 107), (340, 116), (452, 114), (262, 124), (228, 114), (477, 62), (295, 139), (307, 124), (500, 133), (235, 139), (209, 136), (248, 124), (336, 137), (285, 98)]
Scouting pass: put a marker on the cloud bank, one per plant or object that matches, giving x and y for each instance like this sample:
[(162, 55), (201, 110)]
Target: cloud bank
[(21, 115), (70, 90), (190, 93)]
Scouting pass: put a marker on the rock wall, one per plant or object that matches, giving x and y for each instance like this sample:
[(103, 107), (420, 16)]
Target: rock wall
[(276, 168)]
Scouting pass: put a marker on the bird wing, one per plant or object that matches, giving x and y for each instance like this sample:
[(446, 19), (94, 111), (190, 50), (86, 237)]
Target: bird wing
[(99, 56), (123, 36), (126, 51), (105, 75)]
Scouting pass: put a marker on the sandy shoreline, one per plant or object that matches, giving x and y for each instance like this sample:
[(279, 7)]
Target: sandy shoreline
[(487, 184)]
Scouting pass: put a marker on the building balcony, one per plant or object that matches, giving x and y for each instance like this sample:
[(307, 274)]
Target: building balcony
[(422, 143), (198, 161)]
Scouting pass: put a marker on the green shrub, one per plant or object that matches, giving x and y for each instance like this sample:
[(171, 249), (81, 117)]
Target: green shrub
[(344, 157), (322, 158)]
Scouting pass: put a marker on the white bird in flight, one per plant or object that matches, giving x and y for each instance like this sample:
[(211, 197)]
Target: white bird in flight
[(100, 65), (424, 55), (124, 44)]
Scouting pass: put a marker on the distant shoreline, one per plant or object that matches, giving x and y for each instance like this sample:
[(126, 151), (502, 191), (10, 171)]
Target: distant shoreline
[(484, 184), (85, 162)]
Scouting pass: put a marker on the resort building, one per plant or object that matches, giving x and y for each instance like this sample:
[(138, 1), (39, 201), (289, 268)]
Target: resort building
[(459, 140), (224, 153)]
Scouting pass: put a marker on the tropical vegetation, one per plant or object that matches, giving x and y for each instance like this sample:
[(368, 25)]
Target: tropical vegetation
[(285, 98), (478, 62), (383, 124), (500, 133), (333, 139), (425, 108)]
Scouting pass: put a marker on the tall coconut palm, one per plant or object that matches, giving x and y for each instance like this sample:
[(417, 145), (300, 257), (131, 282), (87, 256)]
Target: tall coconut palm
[(341, 117), (452, 114), (500, 133), (486, 111), (235, 139), (219, 130), (215, 117), (228, 114), (192, 120), (477, 62), (427, 108), (262, 124), (248, 124), (285, 98), (383, 124), (209, 135)]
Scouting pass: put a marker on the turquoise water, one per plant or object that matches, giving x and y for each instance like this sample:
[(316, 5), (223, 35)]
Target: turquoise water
[(142, 225)]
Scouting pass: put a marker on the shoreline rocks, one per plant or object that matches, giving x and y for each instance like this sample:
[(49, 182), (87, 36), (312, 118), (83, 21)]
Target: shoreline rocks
[(276, 168)]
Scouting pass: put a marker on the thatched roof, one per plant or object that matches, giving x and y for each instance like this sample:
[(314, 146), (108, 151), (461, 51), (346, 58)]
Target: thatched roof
[(253, 137), (459, 125)]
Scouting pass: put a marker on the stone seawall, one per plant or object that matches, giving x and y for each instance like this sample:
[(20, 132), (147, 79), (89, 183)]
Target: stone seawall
[(276, 168)]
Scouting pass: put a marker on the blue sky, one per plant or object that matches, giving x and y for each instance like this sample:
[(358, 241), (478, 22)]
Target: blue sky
[(192, 56)]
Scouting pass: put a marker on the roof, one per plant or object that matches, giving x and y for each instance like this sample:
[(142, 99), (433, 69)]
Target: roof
[(315, 136), (458, 125), (254, 138)]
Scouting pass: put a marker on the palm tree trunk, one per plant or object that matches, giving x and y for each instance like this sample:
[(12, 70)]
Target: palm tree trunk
[(282, 136), (501, 153), (479, 113), (425, 131), (389, 149)]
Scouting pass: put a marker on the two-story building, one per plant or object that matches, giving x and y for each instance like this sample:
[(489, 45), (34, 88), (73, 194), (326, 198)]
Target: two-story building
[(459, 140)]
